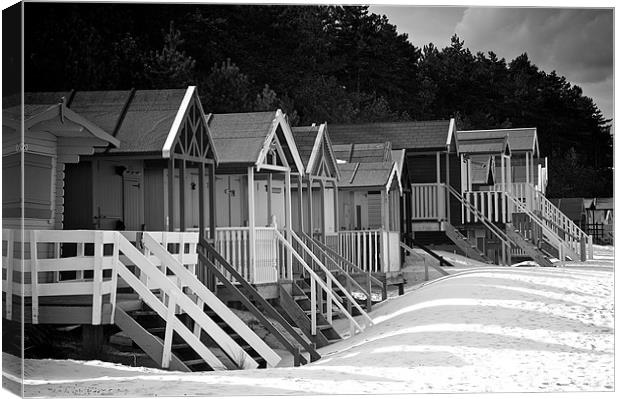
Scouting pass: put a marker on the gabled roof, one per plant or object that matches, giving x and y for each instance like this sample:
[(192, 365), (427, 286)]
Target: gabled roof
[(245, 138), (572, 207), (309, 141), (141, 120), (520, 139), (494, 145), (415, 136), (370, 152), (604, 203), (378, 175), (57, 119)]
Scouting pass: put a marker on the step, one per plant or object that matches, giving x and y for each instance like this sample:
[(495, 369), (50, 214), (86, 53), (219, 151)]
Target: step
[(156, 330), (194, 362), (180, 346), (138, 313)]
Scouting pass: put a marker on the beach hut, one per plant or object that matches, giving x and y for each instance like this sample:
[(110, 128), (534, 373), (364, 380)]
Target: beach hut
[(370, 193), (257, 160), (101, 163)]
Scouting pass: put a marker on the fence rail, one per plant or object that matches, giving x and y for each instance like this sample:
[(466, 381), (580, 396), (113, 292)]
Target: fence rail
[(428, 201)]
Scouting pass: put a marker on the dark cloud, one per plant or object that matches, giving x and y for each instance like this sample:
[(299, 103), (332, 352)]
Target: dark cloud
[(576, 43)]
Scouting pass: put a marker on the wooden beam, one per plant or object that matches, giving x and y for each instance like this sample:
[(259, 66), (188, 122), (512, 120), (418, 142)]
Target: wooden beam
[(201, 201), (323, 211), (310, 221), (438, 166), (182, 196), (251, 224), (447, 196), (212, 205), (171, 193), (269, 199), (301, 202), (288, 219), (336, 204)]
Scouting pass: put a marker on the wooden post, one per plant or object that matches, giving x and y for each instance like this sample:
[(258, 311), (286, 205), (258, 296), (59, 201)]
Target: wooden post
[(369, 288), (115, 255), (312, 307), (336, 210), (92, 340), (323, 210), (440, 209), (171, 193), (251, 224), (212, 205), (301, 202), (97, 278), (168, 334), (182, 196), (583, 254), (446, 195), (269, 199), (350, 309), (201, 201), (288, 221), (310, 221)]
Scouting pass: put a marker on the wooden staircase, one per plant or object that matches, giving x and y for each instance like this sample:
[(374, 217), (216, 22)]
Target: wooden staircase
[(182, 324), (313, 301), (470, 249), (529, 237), (348, 274), (298, 306), (250, 298), (147, 330)]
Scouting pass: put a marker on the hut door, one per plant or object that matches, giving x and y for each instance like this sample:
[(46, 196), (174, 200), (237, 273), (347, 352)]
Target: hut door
[(133, 209), (228, 201)]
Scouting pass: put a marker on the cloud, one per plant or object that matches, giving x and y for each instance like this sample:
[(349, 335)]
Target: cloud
[(577, 43), (423, 25)]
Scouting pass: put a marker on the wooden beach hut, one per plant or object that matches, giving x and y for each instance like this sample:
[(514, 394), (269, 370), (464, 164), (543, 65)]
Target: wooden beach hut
[(123, 155)]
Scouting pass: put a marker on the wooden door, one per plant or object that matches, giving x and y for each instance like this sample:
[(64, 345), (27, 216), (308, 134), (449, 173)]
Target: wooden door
[(133, 201)]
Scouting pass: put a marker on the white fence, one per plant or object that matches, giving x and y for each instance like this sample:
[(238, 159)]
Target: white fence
[(428, 201)]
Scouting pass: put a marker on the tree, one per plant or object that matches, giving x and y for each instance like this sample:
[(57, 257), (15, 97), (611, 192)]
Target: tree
[(170, 67)]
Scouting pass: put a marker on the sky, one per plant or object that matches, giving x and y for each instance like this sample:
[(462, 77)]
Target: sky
[(576, 43)]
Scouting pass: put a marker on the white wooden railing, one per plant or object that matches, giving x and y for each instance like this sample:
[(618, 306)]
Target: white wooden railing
[(567, 230), (327, 286), (94, 252), (144, 261), (181, 245), (233, 243), (428, 201), (203, 296), (375, 251), (491, 204)]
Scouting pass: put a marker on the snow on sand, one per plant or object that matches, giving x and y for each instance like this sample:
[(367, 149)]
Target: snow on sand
[(479, 330)]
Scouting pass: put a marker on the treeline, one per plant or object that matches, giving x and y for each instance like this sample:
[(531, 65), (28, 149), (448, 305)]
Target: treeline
[(318, 63)]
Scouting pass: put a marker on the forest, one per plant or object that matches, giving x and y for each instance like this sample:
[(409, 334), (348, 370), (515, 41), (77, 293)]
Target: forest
[(339, 64)]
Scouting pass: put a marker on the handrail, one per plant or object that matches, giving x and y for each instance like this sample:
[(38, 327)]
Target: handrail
[(331, 277), (341, 258), (496, 230), (441, 259), (315, 279), (176, 297), (314, 355), (343, 272), (436, 267), (207, 297), (558, 241)]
